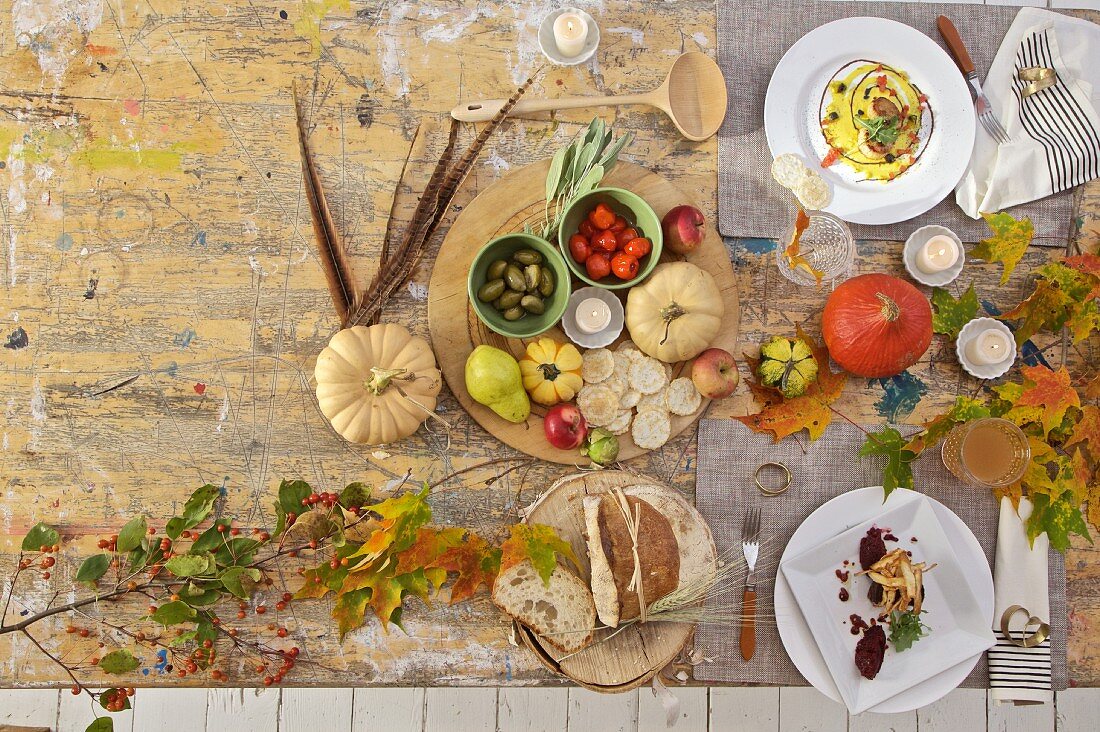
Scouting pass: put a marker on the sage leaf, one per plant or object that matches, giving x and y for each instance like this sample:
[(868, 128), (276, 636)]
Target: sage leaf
[(39, 536), (590, 181), (173, 613), (611, 155), (584, 160), (554, 175), (595, 131), (130, 535), (119, 662), (93, 568)]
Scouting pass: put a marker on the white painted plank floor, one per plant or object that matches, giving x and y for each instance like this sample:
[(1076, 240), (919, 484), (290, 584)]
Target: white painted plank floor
[(536, 710)]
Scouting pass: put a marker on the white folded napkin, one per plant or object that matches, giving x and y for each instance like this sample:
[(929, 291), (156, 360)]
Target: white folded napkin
[(1055, 133), (1020, 675)]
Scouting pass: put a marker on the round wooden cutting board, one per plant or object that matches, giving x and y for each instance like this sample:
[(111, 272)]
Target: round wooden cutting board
[(515, 200), (633, 656)]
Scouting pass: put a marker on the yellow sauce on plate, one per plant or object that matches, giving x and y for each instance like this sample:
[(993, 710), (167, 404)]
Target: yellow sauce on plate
[(877, 146)]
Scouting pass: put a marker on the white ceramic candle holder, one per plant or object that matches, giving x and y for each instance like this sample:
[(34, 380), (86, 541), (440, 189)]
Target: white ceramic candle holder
[(550, 47), (917, 240), (970, 331), (604, 337)]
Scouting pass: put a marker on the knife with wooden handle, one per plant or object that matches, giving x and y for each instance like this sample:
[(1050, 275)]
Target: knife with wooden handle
[(748, 623)]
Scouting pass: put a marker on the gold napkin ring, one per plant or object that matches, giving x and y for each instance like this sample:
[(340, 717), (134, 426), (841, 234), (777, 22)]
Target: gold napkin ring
[(773, 491), (1042, 630), (1037, 78)]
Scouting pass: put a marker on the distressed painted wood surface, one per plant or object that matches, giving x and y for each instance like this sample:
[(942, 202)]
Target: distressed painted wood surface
[(163, 305)]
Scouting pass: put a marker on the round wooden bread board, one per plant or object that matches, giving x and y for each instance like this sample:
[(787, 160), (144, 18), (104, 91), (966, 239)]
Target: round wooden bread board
[(517, 199), (633, 656)]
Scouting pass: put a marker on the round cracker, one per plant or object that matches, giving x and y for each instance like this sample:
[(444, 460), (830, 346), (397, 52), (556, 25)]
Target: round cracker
[(647, 375), (788, 170), (597, 364), (598, 404), (622, 362), (630, 399), (650, 402), (682, 397), (813, 192), (616, 383), (621, 424), (627, 345), (651, 429)]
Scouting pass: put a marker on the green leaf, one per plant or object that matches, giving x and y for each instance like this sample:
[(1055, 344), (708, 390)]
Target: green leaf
[(349, 608), (1058, 519), (236, 551), (195, 511), (234, 578), (905, 630), (291, 494), (590, 181), (173, 613), (950, 314), (93, 568), (355, 495), (898, 472), (611, 155), (540, 544), (39, 536), (586, 157), (280, 519), (554, 175), (189, 565), (211, 539), (205, 630), (130, 535), (1008, 243), (106, 695), (119, 662), (101, 724), (595, 132)]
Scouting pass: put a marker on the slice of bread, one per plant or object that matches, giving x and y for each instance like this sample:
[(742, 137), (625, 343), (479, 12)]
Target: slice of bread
[(562, 614), (604, 592)]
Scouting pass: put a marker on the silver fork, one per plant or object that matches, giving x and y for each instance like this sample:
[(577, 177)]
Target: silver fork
[(750, 545), (982, 106)]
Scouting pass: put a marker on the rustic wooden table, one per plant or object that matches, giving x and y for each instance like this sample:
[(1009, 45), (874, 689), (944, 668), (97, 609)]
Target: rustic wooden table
[(164, 304)]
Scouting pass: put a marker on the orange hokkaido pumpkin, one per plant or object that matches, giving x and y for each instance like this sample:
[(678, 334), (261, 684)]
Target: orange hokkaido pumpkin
[(876, 325)]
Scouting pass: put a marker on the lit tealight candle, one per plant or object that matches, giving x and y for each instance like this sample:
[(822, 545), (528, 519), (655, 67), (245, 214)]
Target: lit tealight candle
[(593, 315), (989, 347), (938, 253), (570, 34)]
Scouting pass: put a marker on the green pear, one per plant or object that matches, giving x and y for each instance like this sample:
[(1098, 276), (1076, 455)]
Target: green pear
[(493, 379)]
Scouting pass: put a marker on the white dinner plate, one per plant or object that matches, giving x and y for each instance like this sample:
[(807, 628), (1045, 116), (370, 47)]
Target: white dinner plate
[(838, 515), (956, 627), (794, 95)]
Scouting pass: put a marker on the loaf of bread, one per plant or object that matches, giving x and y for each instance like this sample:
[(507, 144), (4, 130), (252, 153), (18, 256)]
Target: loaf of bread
[(611, 556), (562, 614)]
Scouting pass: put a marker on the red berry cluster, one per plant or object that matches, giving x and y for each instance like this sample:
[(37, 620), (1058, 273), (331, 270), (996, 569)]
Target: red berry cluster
[(328, 500), (114, 700), (45, 562), (283, 669)]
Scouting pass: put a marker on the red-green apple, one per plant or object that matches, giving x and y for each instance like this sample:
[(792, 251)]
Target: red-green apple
[(565, 426), (714, 373), (683, 227)]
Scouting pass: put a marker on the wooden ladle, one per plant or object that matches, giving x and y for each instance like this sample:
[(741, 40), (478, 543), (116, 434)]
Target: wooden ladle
[(693, 96)]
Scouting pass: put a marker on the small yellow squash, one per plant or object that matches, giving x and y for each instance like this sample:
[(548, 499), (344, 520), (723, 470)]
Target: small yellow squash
[(551, 371), (376, 385), (676, 313)]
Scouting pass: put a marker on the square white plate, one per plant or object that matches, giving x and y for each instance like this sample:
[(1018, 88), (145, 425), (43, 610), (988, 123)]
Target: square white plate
[(958, 628)]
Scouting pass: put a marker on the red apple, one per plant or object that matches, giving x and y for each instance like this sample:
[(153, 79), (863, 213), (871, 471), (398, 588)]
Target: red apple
[(565, 426), (714, 373), (683, 228)]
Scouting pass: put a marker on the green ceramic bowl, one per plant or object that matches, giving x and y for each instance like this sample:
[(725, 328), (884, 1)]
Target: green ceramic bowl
[(626, 204), (529, 325)]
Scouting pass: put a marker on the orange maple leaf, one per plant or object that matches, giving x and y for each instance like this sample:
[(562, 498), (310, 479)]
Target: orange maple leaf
[(1088, 264), (430, 544), (1050, 392), (1087, 431), (811, 411), (475, 561)]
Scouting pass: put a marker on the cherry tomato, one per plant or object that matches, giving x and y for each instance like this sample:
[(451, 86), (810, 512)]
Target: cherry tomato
[(626, 235), (625, 266), (619, 225), (605, 241), (579, 248), (602, 217), (638, 247), (586, 228), (598, 266)]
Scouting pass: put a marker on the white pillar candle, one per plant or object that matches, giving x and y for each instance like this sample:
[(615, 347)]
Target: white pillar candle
[(570, 34), (938, 253), (593, 315), (989, 347)]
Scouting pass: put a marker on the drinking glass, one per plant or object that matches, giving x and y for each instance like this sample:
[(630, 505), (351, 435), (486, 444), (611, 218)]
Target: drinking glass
[(989, 452), (828, 246)]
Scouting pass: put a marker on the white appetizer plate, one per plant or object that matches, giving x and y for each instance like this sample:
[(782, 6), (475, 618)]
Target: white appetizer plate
[(793, 100), (957, 543)]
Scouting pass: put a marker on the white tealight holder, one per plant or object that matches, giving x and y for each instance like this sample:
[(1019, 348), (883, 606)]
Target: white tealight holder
[(604, 337), (917, 240), (550, 47), (971, 331)]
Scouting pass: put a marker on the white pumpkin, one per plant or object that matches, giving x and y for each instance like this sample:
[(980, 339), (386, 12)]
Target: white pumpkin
[(676, 313), (377, 384)]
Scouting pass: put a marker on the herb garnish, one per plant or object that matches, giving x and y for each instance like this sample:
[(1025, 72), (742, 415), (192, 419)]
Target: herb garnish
[(884, 130), (906, 629)]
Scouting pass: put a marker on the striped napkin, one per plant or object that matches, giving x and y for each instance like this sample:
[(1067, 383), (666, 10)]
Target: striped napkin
[(1055, 132), (1019, 675)]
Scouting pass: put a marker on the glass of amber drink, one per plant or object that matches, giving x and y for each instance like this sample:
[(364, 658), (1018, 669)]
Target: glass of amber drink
[(988, 452)]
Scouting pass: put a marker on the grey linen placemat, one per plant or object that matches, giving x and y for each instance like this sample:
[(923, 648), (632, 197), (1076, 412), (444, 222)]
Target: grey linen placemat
[(729, 454), (754, 34)]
